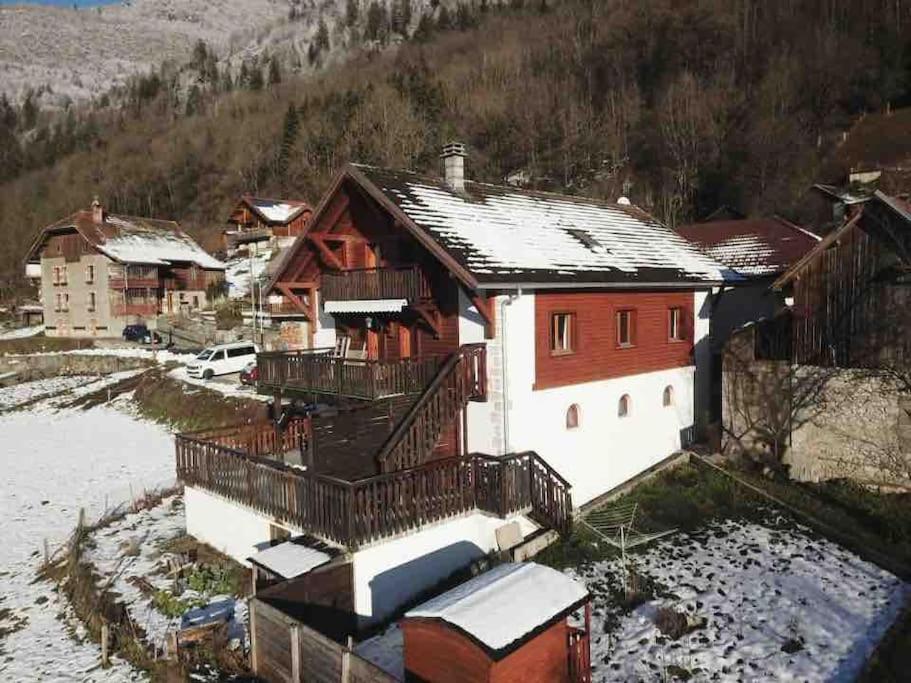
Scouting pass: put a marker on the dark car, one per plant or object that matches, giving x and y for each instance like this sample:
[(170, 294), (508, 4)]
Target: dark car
[(151, 337), (249, 375), (135, 333)]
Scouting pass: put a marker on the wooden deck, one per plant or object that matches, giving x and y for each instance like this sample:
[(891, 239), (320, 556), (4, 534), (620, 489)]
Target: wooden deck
[(318, 371), (354, 513)]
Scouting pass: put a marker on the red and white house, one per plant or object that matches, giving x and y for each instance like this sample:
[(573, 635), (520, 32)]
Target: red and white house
[(495, 349), (590, 311)]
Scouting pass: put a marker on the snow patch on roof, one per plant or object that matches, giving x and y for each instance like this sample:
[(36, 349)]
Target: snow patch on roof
[(747, 254), (502, 605), (513, 234), (290, 559), (276, 211), (366, 306), (135, 244)]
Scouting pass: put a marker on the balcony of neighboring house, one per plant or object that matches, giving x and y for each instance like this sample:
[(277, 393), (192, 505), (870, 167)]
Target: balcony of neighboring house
[(129, 308), (133, 277), (405, 286)]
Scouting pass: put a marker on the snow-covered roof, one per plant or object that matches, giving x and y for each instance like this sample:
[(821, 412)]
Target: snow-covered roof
[(500, 607), (752, 246), (130, 239), (134, 243), (290, 559), (507, 235), (277, 210)]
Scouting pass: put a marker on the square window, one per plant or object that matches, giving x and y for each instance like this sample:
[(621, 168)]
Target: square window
[(562, 333), (675, 330), (626, 328)]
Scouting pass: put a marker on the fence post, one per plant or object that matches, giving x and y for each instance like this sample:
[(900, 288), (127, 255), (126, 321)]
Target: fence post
[(296, 653)]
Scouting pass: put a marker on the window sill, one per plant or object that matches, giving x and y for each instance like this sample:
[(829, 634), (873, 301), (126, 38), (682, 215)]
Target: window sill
[(558, 354), (625, 346)]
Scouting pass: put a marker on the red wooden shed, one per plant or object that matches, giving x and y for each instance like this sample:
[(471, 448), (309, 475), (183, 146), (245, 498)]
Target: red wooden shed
[(509, 624)]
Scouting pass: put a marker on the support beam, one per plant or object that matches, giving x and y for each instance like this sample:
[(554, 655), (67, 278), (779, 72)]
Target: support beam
[(487, 309), (305, 309), (325, 252), (431, 317)]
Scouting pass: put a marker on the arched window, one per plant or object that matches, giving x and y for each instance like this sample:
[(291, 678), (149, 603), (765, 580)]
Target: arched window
[(667, 399), (572, 416), (624, 407)]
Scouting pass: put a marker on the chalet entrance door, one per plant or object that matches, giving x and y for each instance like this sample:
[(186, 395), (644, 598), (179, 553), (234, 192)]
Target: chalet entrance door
[(404, 342)]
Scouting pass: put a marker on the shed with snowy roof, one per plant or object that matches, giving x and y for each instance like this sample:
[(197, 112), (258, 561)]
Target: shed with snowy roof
[(507, 624), (255, 221)]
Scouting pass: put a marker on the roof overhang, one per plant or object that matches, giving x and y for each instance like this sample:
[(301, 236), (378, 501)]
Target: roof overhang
[(509, 286), (366, 306)]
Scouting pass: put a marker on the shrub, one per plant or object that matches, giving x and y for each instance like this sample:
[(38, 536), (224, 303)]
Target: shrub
[(671, 623)]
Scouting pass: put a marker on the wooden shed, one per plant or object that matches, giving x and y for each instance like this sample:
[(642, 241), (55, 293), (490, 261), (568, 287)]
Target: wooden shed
[(509, 624)]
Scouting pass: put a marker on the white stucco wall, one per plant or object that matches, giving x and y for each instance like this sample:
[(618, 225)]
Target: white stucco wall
[(324, 334), (229, 527), (702, 353), (389, 574), (605, 450)]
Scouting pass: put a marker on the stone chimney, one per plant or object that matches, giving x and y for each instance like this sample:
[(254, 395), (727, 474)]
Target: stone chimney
[(453, 157), (97, 212)]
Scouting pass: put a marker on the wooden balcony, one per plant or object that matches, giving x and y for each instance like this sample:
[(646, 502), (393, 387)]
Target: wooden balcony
[(135, 309), (354, 513), (376, 283), (137, 282), (319, 371)]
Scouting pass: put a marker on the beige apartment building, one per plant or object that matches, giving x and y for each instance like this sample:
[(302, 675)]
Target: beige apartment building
[(100, 272)]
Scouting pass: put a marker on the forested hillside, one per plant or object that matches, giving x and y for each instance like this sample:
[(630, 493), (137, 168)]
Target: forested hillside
[(682, 105)]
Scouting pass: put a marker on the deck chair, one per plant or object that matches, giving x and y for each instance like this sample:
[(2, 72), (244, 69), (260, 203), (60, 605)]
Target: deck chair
[(615, 524)]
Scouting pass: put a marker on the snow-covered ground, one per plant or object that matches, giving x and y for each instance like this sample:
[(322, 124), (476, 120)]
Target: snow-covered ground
[(228, 385), (238, 270), (130, 551), (21, 332), (55, 462), (759, 588)]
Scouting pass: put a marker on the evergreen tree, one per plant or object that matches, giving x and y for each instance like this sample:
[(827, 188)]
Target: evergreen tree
[(425, 28), (275, 74), (194, 100), (243, 78), (377, 27), (289, 138), (352, 9), (443, 20), (256, 78), (322, 37), (401, 16)]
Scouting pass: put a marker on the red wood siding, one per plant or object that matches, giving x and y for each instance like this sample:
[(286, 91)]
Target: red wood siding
[(435, 652), (596, 355)]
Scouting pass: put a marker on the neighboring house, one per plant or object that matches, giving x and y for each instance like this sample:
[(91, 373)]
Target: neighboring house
[(755, 251), (258, 223), (824, 385), (498, 355), (100, 272)]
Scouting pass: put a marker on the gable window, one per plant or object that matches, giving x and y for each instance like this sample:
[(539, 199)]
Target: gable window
[(667, 398), (572, 416), (91, 302), (58, 303), (562, 333), (66, 302), (89, 274), (623, 407), (62, 275), (675, 330), (626, 328)]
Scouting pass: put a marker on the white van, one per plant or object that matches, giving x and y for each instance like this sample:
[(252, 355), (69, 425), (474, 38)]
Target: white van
[(222, 359)]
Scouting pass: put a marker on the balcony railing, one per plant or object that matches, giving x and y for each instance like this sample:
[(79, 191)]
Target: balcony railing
[(354, 513), (137, 282), (135, 309), (375, 283), (319, 371)]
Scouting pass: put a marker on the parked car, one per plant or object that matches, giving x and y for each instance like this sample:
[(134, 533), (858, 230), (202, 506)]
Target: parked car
[(250, 374), (135, 333), (222, 359), (151, 337)]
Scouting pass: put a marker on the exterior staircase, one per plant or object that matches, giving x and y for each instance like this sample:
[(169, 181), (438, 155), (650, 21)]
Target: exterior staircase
[(462, 378)]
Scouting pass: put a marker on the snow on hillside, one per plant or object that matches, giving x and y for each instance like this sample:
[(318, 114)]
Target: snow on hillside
[(238, 271), (778, 603), (55, 463), (81, 53)]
